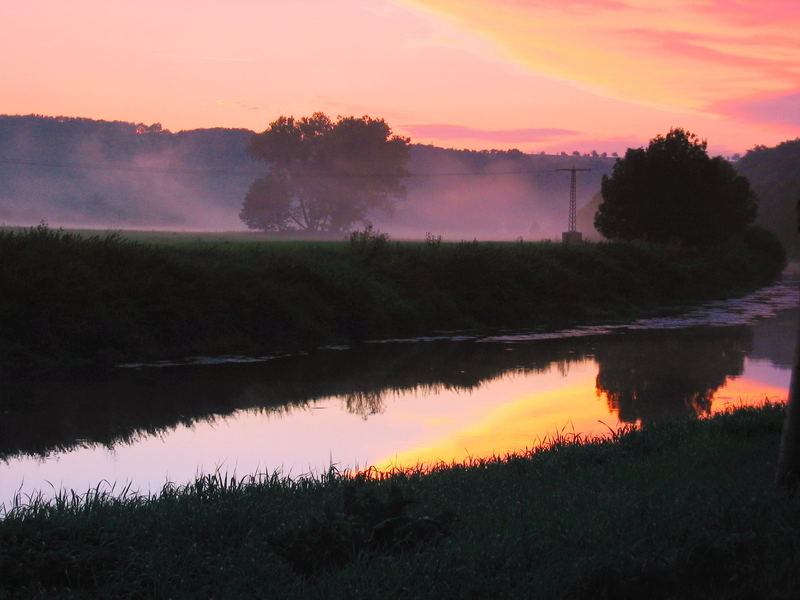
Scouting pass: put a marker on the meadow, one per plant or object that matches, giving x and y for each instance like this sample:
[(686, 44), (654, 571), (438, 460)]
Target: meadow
[(682, 509), (71, 300)]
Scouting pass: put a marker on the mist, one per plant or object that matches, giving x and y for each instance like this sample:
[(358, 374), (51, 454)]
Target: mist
[(81, 173), (98, 174), (495, 195)]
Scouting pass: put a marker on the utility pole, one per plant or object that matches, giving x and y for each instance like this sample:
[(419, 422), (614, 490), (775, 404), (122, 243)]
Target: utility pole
[(572, 234)]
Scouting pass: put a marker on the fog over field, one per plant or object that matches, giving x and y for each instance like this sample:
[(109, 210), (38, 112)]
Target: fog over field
[(99, 174), (490, 195), (86, 173)]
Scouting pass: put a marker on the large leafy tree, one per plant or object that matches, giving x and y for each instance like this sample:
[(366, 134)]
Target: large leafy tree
[(324, 175), (674, 192)]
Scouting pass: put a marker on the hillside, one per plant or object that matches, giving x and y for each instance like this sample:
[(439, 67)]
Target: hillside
[(101, 173), (775, 176)]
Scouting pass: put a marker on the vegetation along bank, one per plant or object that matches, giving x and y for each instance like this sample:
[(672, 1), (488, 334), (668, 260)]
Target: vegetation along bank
[(68, 300), (673, 510)]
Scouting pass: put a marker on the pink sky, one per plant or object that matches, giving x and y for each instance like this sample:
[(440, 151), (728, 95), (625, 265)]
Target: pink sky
[(552, 75)]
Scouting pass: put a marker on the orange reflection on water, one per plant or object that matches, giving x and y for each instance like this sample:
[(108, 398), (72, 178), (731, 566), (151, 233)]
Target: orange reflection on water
[(743, 391), (571, 403), (528, 419)]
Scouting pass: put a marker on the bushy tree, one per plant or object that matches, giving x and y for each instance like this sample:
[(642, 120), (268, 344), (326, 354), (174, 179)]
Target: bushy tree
[(674, 192), (324, 175)]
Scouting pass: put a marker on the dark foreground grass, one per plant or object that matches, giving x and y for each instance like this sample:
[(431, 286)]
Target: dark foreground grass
[(679, 510), (72, 301)]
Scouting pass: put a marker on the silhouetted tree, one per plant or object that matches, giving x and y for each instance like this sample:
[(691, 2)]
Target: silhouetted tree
[(654, 375), (324, 175), (674, 192)]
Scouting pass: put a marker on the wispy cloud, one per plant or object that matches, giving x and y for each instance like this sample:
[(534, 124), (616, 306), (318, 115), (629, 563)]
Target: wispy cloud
[(442, 131), (781, 109), (685, 55), (237, 104), (763, 12), (579, 6)]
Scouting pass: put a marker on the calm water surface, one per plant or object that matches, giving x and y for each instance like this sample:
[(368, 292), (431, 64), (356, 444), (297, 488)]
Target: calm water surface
[(400, 402)]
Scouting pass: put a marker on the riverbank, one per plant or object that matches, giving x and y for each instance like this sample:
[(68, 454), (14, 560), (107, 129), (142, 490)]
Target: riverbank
[(70, 301), (674, 510)]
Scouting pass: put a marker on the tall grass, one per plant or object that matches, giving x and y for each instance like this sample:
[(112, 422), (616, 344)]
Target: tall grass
[(70, 301), (672, 510)]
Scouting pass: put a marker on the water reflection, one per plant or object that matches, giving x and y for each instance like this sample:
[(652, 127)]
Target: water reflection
[(45, 417), (643, 375), (669, 374), (392, 403)]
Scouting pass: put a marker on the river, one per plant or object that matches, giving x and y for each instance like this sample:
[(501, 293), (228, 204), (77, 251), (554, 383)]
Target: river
[(446, 398)]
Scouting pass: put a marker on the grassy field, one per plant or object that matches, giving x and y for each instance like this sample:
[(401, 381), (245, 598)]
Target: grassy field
[(676, 510), (68, 300)]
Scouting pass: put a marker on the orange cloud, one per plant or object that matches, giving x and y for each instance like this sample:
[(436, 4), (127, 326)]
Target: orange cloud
[(442, 131), (685, 56)]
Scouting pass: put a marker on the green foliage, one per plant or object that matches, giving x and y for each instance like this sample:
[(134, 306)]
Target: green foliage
[(367, 522), (673, 192), (368, 241), (324, 176), (766, 243), (675, 510), (434, 241), (69, 301)]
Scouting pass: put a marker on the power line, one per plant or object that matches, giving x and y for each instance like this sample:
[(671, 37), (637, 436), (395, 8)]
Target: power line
[(228, 173), (129, 168)]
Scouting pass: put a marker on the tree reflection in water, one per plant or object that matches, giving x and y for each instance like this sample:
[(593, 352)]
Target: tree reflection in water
[(365, 404), (121, 406), (646, 376)]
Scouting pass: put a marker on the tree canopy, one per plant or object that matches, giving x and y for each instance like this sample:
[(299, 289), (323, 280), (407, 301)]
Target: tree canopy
[(324, 175), (674, 192)]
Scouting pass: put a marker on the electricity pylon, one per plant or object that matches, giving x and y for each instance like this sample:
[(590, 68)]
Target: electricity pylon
[(573, 210)]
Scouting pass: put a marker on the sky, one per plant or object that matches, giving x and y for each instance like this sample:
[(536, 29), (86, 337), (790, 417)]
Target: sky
[(538, 75)]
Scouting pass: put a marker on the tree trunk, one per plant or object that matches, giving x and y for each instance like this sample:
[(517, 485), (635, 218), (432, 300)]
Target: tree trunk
[(786, 475), (788, 470)]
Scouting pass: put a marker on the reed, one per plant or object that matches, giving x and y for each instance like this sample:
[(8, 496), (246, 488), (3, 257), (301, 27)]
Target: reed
[(672, 510)]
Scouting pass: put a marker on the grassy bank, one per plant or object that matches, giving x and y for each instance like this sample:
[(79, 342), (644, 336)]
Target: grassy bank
[(678, 510), (71, 301)]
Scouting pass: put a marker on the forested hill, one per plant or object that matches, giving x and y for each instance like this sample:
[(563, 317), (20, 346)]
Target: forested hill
[(82, 171), (775, 176)]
